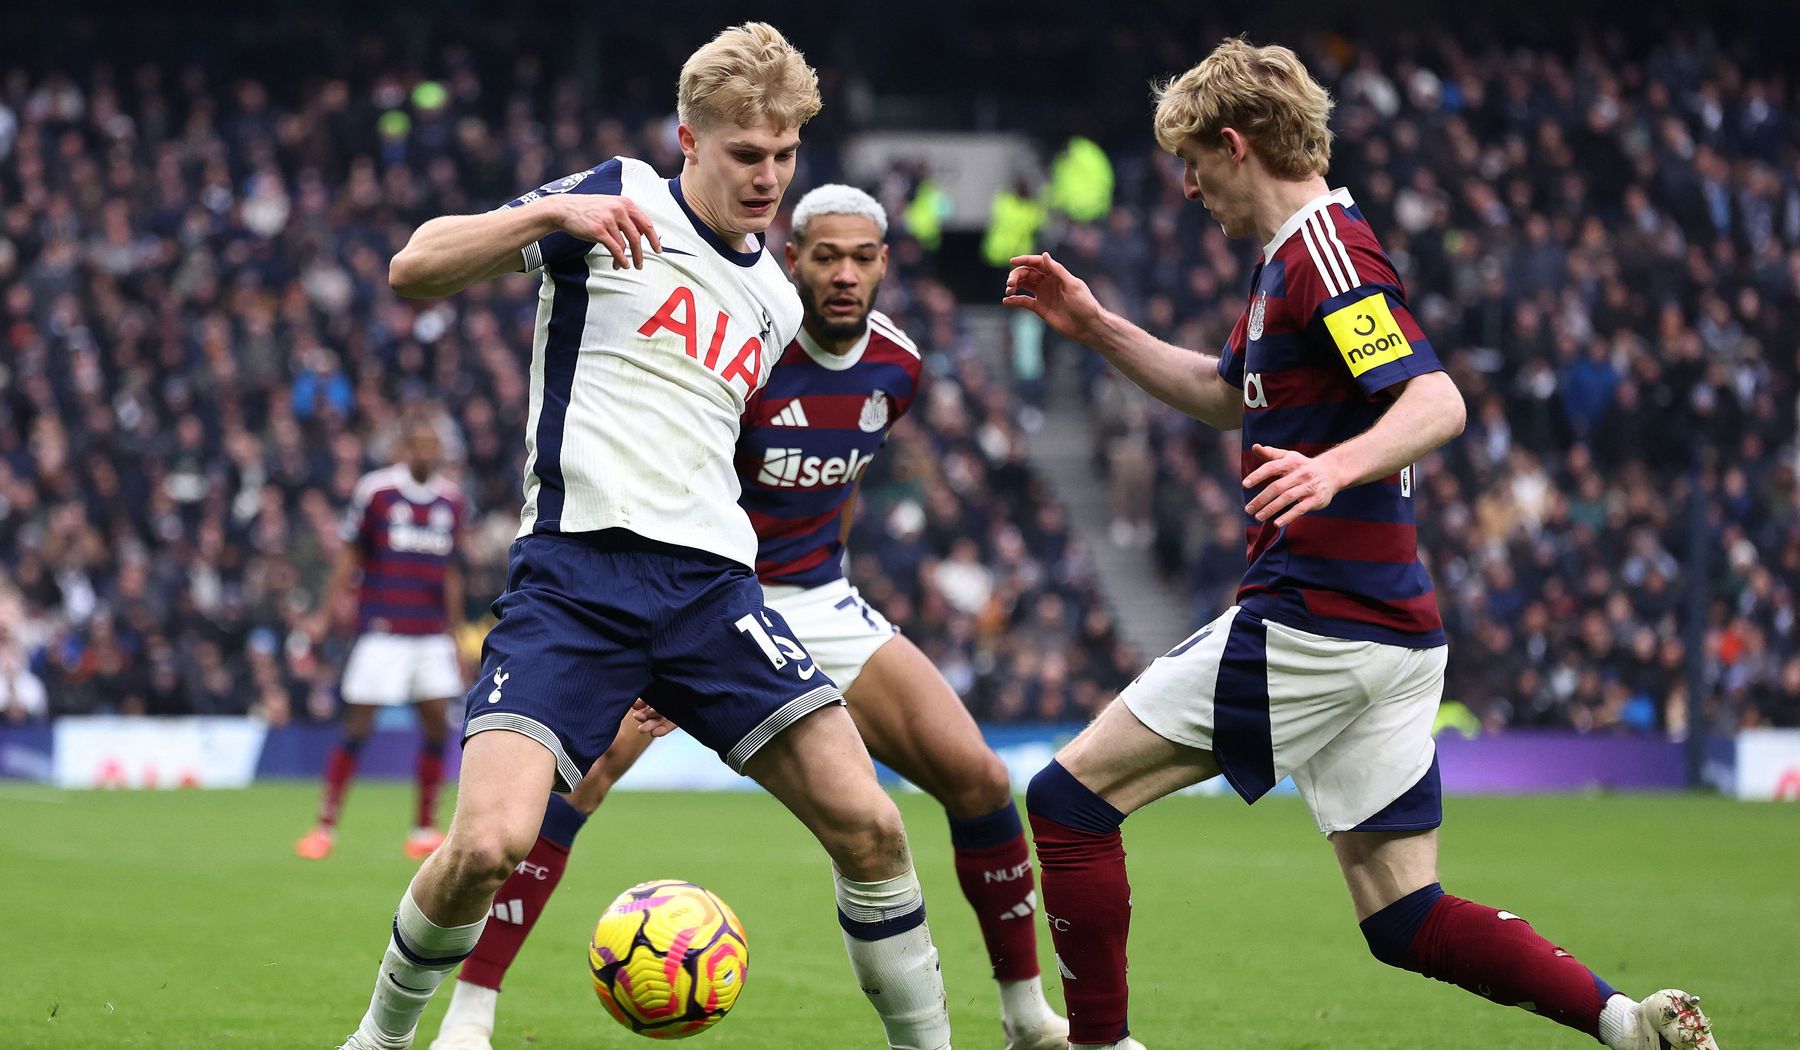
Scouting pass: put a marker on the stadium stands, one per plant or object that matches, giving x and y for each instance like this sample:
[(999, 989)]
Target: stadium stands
[(199, 354)]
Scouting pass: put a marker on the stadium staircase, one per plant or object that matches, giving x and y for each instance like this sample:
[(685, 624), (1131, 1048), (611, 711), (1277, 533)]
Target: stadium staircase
[(1153, 613)]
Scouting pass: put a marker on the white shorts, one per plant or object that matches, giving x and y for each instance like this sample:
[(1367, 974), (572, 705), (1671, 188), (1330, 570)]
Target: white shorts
[(387, 669), (1349, 721), (836, 626)]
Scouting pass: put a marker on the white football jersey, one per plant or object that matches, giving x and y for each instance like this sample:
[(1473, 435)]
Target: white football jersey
[(639, 377)]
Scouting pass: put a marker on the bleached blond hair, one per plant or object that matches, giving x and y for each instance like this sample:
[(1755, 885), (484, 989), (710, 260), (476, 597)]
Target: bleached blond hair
[(745, 74), (835, 198), (1263, 92)]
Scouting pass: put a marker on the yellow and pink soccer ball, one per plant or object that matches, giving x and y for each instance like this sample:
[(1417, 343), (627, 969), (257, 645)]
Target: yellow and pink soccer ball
[(668, 958)]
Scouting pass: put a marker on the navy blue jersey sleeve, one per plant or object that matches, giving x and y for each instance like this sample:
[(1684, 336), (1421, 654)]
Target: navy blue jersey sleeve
[(1368, 323), (561, 247), (1376, 337)]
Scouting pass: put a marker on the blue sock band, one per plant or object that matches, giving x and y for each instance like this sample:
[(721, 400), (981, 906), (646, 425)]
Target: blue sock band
[(993, 829), (561, 822), (1607, 991), (882, 929), (1391, 930), (1055, 794), (432, 748), (352, 745)]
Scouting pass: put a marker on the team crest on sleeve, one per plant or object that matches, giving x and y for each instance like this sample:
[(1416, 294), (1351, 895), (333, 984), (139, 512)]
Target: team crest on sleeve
[(1366, 333), (874, 413), (566, 183), (1256, 315)]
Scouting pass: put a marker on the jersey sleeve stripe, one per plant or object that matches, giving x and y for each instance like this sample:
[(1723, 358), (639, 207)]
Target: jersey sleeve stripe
[(879, 321), (1322, 236), (1333, 287), (1337, 245)]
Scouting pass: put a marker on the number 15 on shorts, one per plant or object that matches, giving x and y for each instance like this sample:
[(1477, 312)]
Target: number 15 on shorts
[(779, 649)]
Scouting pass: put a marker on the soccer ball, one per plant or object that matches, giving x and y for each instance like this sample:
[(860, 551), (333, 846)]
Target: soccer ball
[(668, 959)]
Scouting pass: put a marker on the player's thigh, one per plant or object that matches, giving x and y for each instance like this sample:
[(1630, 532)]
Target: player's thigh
[(912, 720), (378, 671), (359, 720), (728, 670), (1129, 764), (505, 778), (819, 769), (567, 656), (1380, 867)]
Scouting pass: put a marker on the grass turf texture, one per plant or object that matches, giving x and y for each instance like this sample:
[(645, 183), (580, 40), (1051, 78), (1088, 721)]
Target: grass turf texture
[(168, 920)]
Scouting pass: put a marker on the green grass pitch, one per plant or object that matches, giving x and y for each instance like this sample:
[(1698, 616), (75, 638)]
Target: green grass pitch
[(182, 920)]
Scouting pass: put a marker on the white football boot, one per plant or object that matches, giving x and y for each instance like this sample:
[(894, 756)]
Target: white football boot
[(468, 1022), (1052, 1033), (1671, 1020), (463, 1037)]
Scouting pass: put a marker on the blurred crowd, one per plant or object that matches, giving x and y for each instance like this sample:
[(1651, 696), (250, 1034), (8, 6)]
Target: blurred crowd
[(200, 354), (1603, 245)]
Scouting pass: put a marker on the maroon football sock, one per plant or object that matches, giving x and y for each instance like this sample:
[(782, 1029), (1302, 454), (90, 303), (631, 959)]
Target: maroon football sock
[(430, 772), (993, 864), (340, 769), (1494, 954), (1087, 902)]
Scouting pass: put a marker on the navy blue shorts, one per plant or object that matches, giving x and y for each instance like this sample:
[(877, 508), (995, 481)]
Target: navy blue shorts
[(591, 622)]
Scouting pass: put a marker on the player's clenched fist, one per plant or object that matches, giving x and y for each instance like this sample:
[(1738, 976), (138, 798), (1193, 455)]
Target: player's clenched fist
[(614, 222), (1046, 287)]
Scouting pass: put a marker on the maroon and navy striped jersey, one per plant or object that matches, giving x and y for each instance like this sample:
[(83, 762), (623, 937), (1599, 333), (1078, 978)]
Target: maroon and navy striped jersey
[(1326, 333), (807, 437), (405, 534)]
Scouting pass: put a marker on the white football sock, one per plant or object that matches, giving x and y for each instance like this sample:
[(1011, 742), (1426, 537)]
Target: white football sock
[(410, 974), (1022, 1004), (471, 1006), (897, 970), (1618, 1022)]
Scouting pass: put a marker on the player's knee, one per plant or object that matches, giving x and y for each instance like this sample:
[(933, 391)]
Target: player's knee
[(870, 846), (982, 788), (1055, 794), (1391, 931), (483, 858)]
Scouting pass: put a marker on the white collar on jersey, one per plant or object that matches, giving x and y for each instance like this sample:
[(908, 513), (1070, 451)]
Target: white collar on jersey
[(1292, 226), (826, 359), (412, 488)]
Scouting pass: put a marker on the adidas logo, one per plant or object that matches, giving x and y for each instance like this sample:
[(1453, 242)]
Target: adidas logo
[(512, 911), (1023, 909), (791, 416)]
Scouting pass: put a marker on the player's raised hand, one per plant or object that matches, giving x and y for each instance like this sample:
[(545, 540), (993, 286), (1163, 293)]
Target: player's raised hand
[(1046, 287), (650, 720), (617, 223), (1297, 484)]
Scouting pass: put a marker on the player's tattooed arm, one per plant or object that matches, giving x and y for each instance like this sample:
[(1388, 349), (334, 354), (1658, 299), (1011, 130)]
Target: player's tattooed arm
[(1428, 412), (452, 252), (1183, 379)]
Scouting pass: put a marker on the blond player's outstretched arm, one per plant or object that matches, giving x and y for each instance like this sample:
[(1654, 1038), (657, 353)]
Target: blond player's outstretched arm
[(452, 252), (1183, 379)]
